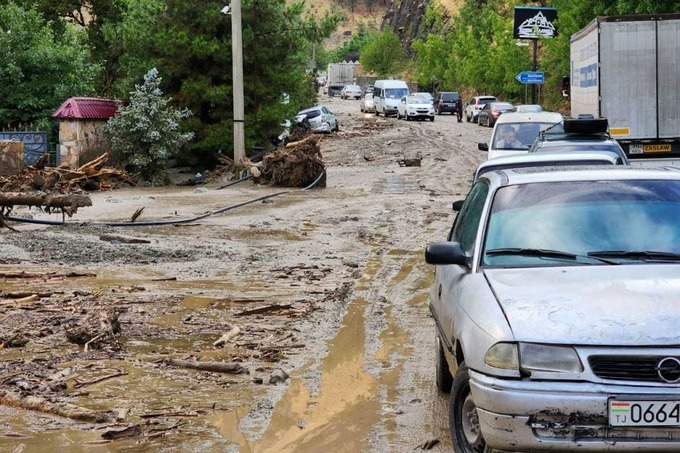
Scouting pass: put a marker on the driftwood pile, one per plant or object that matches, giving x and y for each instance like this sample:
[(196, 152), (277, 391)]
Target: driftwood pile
[(295, 164), (57, 189)]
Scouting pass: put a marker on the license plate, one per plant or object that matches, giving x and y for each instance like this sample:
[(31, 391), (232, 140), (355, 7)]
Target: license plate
[(635, 149), (657, 148), (644, 412)]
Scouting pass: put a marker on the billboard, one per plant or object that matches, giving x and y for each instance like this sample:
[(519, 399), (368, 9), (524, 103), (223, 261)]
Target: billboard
[(534, 22)]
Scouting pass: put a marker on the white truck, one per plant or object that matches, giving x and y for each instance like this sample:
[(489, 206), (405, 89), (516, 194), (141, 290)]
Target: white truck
[(339, 75), (627, 69)]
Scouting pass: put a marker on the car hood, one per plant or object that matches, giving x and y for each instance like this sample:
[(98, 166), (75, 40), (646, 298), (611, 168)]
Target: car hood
[(591, 305)]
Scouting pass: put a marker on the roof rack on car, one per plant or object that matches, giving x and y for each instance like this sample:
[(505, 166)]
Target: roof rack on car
[(586, 124)]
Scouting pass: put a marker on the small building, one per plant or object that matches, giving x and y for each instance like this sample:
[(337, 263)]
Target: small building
[(80, 133)]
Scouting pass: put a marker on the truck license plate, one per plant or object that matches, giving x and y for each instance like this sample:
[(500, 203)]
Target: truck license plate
[(644, 413), (657, 148), (635, 149)]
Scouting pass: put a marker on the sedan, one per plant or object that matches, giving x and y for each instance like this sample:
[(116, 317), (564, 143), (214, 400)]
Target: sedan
[(320, 119), (350, 91), (367, 104), (490, 112), (415, 108), (555, 302)]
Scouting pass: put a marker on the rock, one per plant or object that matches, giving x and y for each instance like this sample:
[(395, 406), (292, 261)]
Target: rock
[(278, 376)]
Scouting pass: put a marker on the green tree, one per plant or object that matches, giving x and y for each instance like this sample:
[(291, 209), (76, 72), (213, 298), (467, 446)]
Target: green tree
[(39, 71), (146, 133), (190, 42), (383, 54)]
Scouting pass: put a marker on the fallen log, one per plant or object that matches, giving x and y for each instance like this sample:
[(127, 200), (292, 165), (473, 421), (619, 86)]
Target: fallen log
[(67, 410), (44, 199), (217, 367)]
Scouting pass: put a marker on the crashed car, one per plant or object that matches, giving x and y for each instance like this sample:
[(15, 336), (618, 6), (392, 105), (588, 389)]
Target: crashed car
[(556, 301)]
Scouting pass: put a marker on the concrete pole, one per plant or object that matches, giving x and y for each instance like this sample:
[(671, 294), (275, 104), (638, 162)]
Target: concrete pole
[(237, 81), (533, 85)]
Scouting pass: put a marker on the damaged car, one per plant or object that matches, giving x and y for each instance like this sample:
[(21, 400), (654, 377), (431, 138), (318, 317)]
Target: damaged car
[(556, 301)]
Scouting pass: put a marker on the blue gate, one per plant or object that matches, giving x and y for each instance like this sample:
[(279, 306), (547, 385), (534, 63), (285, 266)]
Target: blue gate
[(35, 144)]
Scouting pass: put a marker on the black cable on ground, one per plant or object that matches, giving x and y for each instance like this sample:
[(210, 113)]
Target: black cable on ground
[(161, 222)]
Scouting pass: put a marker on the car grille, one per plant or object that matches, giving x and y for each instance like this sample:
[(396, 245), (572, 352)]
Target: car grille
[(628, 368)]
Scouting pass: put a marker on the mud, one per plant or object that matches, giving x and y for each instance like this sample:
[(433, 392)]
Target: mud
[(326, 286)]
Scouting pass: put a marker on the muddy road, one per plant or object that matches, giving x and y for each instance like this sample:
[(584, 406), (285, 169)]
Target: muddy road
[(316, 299)]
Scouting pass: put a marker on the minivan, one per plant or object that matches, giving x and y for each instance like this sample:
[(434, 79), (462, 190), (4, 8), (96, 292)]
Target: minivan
[(386, 96)]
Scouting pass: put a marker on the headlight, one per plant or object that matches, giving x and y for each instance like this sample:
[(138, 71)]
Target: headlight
[(540, 357), (502, 355)]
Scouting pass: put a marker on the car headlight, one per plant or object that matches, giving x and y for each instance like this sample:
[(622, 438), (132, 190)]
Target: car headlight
[(541, 357), (503, 355), (533, 357)]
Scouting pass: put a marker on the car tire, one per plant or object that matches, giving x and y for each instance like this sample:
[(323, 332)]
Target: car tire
[(432, 119), (467, 117), (408, 118), (463, 420), (439, 111), (442, 375)]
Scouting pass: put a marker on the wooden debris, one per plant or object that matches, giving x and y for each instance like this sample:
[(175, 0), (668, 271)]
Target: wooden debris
[(217, 367), (40, 404), (79, 384), (122, 432), (296, 164), (123, 239), (265, 309), (227, 337), (94, 329)]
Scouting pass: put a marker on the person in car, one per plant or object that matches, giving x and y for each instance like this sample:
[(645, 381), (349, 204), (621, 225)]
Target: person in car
[(509, 139)]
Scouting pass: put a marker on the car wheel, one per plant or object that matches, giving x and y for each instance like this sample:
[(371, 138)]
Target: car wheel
[(432, 118), (439, 111), (467, 117), (408, 118), (443, 377), (463, 420)]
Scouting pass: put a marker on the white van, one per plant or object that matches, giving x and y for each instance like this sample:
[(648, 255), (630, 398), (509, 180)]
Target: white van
[(387, 94), (515, 132)]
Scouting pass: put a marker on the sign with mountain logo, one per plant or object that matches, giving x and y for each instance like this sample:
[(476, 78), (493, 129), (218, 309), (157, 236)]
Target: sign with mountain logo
[(534, 22)]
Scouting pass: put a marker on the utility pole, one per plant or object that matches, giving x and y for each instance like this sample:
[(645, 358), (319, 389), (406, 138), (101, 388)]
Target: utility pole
[(535, 67), (237, 81)]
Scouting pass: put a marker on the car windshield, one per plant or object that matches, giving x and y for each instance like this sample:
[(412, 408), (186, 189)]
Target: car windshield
[(416, 100), (623, 222), (524, 134), (450, 97), (396, 93)]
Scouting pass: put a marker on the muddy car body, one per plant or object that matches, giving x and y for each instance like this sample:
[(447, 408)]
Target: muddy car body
[(555, 304)]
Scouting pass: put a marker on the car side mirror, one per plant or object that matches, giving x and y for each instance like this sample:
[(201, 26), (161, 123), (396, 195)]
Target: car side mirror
[(457, 205), (446, 253), (483, 146)]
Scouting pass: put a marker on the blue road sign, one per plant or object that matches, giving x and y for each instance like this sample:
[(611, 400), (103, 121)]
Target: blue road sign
[(530, 77)]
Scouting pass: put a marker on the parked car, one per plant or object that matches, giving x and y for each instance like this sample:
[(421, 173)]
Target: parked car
[(449, 101), (321, 119), (578, 134), (527, 108), (488, 114), (334, 89), (425, 95), (386, 95), (475, 104), (514, 133), (367, 104), (415, 108), (350, 91), (548, 159), (368, 89), (555, 300)]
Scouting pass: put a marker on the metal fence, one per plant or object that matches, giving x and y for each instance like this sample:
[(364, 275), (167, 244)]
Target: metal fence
[(35, 144)]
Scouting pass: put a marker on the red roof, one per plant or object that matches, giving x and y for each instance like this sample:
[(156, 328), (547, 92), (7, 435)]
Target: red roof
[(86, 108)]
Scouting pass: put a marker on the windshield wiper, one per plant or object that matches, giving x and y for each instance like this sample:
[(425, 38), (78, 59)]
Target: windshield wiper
[(544, 253), (636, 255)]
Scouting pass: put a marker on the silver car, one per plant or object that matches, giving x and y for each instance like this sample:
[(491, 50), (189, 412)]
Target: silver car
[(367, 104), (556, 300), (321, 119)]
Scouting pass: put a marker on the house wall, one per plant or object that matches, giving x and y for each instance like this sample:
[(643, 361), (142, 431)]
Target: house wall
[(80, 141)]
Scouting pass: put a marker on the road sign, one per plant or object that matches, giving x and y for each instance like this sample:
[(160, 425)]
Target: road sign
[(530, 77)]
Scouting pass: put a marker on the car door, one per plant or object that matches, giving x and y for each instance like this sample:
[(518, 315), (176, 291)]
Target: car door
[(330, 118), (452, 279)]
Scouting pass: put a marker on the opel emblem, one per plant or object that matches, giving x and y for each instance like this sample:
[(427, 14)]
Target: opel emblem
[(668, 369)]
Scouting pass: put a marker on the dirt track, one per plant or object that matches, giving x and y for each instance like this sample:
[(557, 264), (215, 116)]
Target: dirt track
[(327, 285)]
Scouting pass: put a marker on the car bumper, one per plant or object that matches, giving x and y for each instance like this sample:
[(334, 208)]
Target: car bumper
[(562, 416), (325, 127), (419, 115)]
